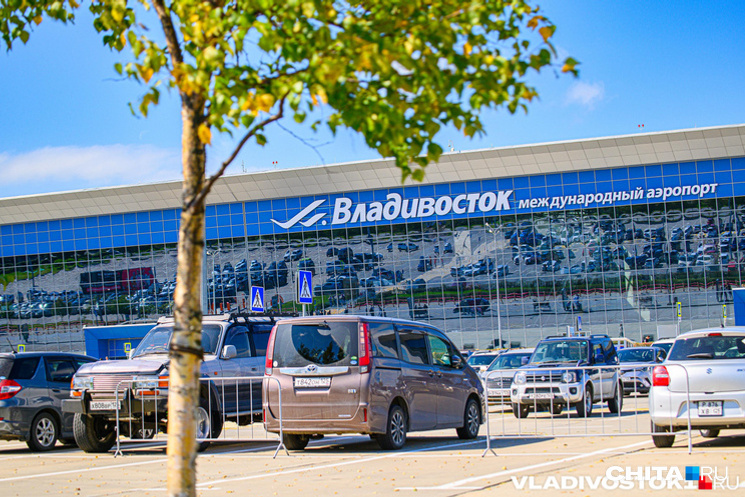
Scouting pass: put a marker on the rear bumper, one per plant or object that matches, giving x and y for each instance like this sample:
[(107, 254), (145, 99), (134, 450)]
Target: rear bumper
[(355, 424), (671, 409), (15, 424)]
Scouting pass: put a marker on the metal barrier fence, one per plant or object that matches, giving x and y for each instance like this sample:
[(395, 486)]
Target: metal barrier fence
[(227, 413), (541, 400)]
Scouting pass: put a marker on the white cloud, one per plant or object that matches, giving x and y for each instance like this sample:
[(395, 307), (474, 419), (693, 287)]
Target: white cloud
[(65, 168), (586, 94)]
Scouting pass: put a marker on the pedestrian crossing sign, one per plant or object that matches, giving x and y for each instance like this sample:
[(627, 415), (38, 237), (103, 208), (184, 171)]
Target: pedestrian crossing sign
[(257, 299), (305, 287), (21, 348)]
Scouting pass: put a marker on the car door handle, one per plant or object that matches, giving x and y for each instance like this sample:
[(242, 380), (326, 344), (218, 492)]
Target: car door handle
[(56, 390)]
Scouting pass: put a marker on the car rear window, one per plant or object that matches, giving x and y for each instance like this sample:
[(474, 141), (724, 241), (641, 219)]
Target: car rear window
[(18, 368), (324, 344), (709, 347)]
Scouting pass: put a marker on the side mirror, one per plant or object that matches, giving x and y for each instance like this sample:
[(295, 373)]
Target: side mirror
[(228, 352), (131, 353), (524, 361), (457, 362)]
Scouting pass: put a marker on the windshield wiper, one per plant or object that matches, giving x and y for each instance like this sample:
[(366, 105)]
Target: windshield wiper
[(700, 355)]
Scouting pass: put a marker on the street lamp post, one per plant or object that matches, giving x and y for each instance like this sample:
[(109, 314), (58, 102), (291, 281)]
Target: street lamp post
[(491, 230)]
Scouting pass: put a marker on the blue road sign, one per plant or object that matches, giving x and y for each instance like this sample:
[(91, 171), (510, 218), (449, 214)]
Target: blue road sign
[(257, 299), (579, 324), (305, 287)]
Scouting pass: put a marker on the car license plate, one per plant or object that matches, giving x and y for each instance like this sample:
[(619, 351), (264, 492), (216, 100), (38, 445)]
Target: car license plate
[(312, 382), (710, 408), (99, 405), (499, 392), (540, 396)]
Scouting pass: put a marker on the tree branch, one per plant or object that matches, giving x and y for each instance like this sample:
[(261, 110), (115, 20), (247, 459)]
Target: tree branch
[(252, 132), (170, 32)]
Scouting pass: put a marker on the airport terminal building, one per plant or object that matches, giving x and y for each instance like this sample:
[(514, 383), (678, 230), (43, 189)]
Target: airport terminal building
[(636, 235)]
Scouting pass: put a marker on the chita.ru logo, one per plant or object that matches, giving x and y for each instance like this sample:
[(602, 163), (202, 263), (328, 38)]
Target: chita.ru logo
[(710, 478), (638, 478)]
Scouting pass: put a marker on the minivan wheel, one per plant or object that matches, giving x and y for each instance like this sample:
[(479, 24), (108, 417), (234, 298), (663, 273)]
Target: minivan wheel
[(395, 433), (295, 442), (93, 433), (710, 433), (471, 421), (43, 433), (662, 441)]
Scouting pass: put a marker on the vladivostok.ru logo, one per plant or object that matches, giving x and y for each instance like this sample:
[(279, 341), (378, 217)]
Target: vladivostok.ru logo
[(639, 478)]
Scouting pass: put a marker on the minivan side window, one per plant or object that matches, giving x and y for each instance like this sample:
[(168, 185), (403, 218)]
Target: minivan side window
[(441, 355), (383, 340), (24, 368), (413, 346)]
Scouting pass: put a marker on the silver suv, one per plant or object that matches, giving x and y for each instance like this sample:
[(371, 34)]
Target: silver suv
[(563, 372), (234, 346)]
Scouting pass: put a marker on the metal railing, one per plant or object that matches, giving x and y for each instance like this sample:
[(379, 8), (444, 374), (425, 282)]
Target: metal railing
[(228, 413), (542, 399)]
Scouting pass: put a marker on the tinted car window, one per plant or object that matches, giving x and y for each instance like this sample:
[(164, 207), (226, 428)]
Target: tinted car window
[(59, 369), (636, 355), (238, 337), (441, 353), (708, 347), (24, 369), (383, 339), (413, 347), (260, 335), (333, 343)]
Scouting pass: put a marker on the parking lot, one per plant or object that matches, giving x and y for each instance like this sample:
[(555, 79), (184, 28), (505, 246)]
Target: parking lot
[(432, 463)]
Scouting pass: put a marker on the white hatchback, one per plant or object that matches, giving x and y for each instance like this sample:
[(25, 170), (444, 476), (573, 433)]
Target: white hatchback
[(702, 379)]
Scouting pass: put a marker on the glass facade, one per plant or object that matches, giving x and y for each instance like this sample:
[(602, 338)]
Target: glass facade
[(519, 258)]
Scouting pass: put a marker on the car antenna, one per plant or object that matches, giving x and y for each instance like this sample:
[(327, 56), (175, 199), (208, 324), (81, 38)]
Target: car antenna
[(15, 351)]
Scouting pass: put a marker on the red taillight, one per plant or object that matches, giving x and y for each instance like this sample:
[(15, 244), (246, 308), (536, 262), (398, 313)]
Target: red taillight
[(8, 388), (364, 348), (269, 365), (660, 377)]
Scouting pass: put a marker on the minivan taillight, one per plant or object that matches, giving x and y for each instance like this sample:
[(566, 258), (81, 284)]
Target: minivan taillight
[(660, 377), (8, 389), (269, 365), (364, 348)]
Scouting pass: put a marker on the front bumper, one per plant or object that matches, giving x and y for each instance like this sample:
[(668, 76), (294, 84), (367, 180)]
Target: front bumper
[(546, 393), (672, 409), (129, 406)]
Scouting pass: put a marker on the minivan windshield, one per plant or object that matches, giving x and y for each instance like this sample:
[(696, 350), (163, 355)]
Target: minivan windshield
[(157, 340), (560, 351), (321, 343), (714, 346)]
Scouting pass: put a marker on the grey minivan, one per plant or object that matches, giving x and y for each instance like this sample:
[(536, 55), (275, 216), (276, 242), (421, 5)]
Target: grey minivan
[(361, 374)]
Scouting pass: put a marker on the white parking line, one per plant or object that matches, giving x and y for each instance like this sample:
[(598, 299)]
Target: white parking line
[(82, 470), (459, 485), (305, 469)]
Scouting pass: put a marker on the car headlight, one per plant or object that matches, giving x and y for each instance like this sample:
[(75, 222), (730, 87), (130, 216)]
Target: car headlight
[(569, 377), (82, 383), (520, 378)]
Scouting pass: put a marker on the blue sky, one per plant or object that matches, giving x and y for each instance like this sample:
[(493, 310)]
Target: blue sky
[(667, 65)]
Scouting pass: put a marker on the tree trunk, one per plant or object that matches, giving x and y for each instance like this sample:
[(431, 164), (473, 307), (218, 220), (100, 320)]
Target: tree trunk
[(186, 346)]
